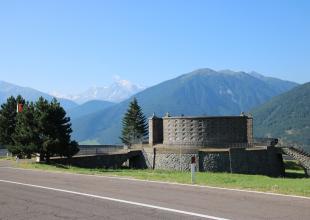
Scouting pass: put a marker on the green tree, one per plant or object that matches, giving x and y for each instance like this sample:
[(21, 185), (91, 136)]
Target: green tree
[(54, 130), (8, 120), (41, 128), (25, 136), (134, 125)]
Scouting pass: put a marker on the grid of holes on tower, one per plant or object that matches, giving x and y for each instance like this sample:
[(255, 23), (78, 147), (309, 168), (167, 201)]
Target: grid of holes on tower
[(186, 131), (199, 132)]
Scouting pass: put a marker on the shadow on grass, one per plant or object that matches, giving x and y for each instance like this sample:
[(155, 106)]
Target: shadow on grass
[(294, 170), (56, 165), (117, 169), (96, 169), (292, 165), (294, 175)]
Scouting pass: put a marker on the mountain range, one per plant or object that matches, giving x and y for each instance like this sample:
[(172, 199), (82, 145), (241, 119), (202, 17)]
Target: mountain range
[(9, 89), (201, 92), (280, 108)]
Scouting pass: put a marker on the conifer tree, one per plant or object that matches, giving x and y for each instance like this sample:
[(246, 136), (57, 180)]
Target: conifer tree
[(134, 125), (8, 119), (25, 136), (61, 131), (54, 130), (41, 128)]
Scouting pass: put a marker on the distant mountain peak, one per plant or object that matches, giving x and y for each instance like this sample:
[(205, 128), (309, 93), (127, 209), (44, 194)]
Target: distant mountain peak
[(211, 72), (231, 72), (205, 72), (202, 71), (256, 74), (119, 90), (9, 89)]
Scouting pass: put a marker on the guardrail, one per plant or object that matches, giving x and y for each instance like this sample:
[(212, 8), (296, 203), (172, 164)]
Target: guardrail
[(87, 149), (265, 141), (98, 149)]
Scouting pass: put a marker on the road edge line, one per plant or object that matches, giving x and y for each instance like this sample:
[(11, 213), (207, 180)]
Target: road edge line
[(162, 182), (116, 200)]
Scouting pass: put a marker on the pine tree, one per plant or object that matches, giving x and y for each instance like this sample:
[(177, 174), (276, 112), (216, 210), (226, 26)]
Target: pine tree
[(25, 136), (61, 131), (54, 130), (8, 120), (134, 125), (41, 113), (40, 128)]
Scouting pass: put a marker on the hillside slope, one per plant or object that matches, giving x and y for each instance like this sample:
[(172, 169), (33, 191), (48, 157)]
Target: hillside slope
[(286, 116), (88, 108)]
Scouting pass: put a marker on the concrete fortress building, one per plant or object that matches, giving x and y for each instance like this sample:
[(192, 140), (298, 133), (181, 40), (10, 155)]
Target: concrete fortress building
[(219, 143)]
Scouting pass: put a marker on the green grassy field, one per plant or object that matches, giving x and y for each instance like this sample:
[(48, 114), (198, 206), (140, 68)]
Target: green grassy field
[(295, 183), (5, 158)]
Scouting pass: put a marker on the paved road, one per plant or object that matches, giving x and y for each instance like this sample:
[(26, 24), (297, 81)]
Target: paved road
[(27, 194)]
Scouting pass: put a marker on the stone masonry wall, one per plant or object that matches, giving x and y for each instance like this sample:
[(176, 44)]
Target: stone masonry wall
[(266, 161), (168, 159), (257, 161), (173, 161), (214, 161)]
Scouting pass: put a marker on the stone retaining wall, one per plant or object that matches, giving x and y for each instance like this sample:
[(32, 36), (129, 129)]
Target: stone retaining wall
[(214, 161), (265, 161), (169, 158)]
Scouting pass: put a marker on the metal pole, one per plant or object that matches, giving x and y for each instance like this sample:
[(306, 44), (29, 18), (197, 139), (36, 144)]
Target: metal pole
[(193, 166), (180, 163), (230, 161)]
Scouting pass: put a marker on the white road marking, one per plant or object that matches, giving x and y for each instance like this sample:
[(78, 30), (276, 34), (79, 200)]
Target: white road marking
[(117, 200), (162, 182)]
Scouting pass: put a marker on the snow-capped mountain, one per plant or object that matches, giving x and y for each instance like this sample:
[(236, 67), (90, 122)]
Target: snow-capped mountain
[(118, 91)]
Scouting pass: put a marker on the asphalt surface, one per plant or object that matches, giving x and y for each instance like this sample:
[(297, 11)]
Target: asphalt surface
[(27, 194)]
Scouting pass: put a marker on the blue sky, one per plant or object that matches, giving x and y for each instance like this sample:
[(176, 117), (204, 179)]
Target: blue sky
[(68, 46)]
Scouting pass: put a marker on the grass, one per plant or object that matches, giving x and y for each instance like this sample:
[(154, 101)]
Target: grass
[(5, 158), (295, 184), (293, 170)]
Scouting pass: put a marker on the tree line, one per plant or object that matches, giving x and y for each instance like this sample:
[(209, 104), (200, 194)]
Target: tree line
[(40, 127)]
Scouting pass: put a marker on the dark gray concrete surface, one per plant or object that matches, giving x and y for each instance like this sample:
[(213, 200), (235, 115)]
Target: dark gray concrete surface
[(25, 202)]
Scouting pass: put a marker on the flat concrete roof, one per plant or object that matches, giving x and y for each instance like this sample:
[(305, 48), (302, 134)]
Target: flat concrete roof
[(204, 117)]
